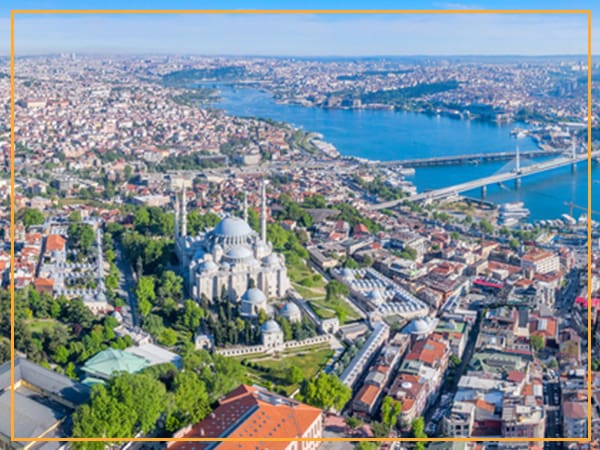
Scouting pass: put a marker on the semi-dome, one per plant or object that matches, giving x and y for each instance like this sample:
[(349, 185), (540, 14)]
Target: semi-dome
[(238, 253), (232, 227), (271, 260), (270, 326), (208, 266), (254, 295)]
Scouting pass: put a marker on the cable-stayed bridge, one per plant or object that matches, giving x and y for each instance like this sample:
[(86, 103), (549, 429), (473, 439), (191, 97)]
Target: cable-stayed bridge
[(516, 174)]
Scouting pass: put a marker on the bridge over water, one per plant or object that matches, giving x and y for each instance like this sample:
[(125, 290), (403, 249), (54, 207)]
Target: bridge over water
[(469, 159), (516, 174)]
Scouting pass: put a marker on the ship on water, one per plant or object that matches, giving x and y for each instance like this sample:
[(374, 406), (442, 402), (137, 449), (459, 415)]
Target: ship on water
[(512, 213)]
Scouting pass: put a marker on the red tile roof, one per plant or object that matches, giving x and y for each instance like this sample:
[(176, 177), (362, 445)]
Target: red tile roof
[(252, 412), (55, 242)]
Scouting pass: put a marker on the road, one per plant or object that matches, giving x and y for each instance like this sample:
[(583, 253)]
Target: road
[(126, 287), (553, 413)]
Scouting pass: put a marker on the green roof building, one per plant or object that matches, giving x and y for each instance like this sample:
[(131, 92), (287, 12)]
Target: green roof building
[(110, 361)]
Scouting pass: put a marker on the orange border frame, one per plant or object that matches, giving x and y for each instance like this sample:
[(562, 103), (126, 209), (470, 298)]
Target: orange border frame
[(588, 13)]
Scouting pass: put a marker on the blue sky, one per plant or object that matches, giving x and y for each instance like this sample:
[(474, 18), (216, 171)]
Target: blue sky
[(298, 34)]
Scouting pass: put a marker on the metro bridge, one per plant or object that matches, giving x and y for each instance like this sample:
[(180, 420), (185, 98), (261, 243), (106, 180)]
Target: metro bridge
[(516, 174)]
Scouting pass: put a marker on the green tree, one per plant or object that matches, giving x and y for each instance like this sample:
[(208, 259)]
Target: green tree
[(335, 289), (141, 394), (295, 375), (191, 315), (145, 294), (75, 216), (105, 416), (32, 216), (537, 343), (190, 402), (418, 431), (326, 391), (390, 409)]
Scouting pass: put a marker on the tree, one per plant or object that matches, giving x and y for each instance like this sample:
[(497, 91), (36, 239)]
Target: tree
[(418, 431), (537, 343), (105, 416), (335, 289), (366, 445), (145, 294), (75, 216), (326, 391), (189, 403), (191, 316), (143, 395), (353, 422), (167, 337), (486, 227), (390, 409), (32, 216), (295, 375)]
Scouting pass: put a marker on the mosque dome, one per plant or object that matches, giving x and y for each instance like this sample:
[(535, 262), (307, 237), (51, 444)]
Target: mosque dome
[(252, 302), (254, 295), (420, 326), (232, 227), (270, 326), (291, 312)]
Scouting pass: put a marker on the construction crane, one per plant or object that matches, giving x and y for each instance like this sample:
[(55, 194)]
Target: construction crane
[(572, 205)]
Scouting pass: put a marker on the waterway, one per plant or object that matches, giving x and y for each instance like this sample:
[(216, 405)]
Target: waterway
[(390, 135)]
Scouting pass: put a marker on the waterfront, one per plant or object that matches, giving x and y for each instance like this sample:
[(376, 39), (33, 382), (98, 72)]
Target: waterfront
[(388, 135)]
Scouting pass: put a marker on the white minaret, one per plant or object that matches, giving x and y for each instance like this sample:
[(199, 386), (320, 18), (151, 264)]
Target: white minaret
[(177, 212), (245, 207), (183, 213), (263, 212)]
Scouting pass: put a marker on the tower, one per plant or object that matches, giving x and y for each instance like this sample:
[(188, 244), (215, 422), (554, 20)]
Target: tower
[(263, 212), (518, 160), (177, 212), (183, 213), (245, 207)]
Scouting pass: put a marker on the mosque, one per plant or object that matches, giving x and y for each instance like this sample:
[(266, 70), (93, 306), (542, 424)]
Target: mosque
[(231, 257)]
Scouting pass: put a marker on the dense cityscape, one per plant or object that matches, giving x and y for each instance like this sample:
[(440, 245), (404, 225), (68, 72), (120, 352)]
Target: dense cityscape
[(180, 271)]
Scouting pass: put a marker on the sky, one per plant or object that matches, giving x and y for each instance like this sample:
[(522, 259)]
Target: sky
[(298, 34)]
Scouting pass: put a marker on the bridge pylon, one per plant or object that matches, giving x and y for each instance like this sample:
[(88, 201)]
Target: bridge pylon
[(518, 161), (574, 155)]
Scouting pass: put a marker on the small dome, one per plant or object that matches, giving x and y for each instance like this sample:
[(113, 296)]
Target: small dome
[(254, 295), (207, 266), (347, 273), (238, 253), (375, 295), (290, 310), (420, 326), (271, 260), (270, 326), (232, 227)]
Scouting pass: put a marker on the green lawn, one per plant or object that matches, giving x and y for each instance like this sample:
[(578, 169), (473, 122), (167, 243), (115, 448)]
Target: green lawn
[(37, 326), (326, 309), (309, 360)]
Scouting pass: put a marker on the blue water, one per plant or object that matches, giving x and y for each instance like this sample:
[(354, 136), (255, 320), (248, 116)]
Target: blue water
[(391, 135)]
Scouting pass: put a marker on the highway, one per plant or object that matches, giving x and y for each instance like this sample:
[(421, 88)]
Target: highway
[(438, 194)]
